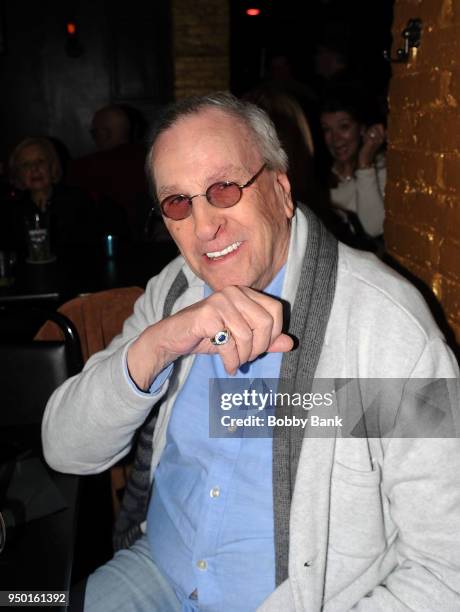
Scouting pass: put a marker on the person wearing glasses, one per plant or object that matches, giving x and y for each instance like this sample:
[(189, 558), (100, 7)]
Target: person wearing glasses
[(214, 517)]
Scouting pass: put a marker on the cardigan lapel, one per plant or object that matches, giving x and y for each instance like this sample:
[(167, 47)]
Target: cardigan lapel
[(310, 314)]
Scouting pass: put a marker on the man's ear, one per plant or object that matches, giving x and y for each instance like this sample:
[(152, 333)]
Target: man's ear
[(285, 190)]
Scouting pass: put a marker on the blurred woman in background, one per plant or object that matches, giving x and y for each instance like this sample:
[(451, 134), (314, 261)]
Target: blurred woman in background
[(357, 173), (68, 213)]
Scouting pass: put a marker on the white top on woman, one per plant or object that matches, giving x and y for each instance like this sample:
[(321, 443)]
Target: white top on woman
[(363, 194)]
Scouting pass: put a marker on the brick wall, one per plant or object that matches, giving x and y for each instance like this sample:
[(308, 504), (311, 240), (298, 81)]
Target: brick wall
[(422, 228), (200, 46)]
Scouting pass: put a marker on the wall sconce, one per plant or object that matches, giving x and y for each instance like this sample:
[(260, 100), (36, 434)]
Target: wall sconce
[(412, 34), (73, 46)]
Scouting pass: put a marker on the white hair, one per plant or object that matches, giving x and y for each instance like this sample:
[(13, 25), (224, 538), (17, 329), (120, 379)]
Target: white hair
[(254, 118)]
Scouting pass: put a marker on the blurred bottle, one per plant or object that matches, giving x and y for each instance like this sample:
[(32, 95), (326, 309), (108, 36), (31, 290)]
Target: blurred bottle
[(38, 238)]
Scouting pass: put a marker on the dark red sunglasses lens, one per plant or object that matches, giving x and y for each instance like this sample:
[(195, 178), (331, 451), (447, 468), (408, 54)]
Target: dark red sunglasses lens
[(223, 195), (176, 207)]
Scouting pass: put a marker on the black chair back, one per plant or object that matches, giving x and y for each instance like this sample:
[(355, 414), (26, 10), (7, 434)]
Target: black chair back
[(31, 370), (39, 506)]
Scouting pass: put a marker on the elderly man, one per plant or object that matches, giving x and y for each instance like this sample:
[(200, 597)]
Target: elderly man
[(294, 521)]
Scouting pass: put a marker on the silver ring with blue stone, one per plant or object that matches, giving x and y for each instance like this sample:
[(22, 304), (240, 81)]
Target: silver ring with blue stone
[(222, 337)]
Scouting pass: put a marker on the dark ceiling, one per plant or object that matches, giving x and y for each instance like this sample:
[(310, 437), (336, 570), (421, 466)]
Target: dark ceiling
[(294, 27)]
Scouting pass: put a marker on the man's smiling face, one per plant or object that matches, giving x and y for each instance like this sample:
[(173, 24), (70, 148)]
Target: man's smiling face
[(245, 245)]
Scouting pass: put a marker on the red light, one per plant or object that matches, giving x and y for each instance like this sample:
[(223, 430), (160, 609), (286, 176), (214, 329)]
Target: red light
[(252, 12), (71, 29)]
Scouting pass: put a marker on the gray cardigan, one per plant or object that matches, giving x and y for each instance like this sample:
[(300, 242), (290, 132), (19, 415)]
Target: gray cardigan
[(362, 532)]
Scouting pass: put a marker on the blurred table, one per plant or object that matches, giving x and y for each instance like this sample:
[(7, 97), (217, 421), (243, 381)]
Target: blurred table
[(85, 269)]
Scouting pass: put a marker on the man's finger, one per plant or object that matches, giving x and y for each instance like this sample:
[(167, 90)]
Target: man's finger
[(282, 344)]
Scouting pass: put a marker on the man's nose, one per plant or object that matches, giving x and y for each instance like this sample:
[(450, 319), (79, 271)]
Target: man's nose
[(208, 219)]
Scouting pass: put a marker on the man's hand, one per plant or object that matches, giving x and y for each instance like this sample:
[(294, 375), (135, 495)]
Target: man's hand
[(253, 319)]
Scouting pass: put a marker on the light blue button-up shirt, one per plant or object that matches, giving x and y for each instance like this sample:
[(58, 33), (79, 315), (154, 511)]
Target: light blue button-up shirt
[(210, 518)]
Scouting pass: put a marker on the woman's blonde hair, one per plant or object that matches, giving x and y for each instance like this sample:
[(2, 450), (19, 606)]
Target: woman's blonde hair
[(50, 153)]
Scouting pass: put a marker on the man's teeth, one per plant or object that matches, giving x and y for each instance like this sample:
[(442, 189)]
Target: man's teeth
[(225, 251)]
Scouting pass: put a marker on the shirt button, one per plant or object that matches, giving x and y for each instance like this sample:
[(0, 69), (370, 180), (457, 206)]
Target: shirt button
[(201, 564), (214, 492), (232, 428)]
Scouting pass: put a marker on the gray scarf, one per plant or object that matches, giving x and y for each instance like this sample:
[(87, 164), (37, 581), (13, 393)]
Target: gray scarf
[(307, 323)]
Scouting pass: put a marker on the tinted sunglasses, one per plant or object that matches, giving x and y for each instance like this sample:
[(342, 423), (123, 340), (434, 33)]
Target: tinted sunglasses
[(222, 195)]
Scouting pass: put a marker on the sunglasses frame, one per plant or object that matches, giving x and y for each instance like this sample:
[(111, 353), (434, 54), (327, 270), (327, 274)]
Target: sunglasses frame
[(189, 199)]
